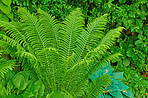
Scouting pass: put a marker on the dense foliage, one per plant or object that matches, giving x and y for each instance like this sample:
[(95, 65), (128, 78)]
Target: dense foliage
[(131, 14), (116, 89), (60, 54), (138, 85)]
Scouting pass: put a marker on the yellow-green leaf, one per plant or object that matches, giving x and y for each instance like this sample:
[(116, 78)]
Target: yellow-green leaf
[(10, 16), (7, 2), (5, 9)]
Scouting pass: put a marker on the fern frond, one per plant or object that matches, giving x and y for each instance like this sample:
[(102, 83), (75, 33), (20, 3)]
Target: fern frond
[(11, 42), (92, 34), (102, 62), (96, 87), (14, 33), (76, 79), (24, 56), (71, 28), (50, 27), (53, 64), (95, 29), (33, 31), (5, 65), (108, 40), (20, 53), (82, 41)]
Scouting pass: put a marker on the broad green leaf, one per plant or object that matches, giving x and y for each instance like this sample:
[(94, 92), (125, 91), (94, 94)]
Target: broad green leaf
[(41, 89), (138, 42), (7, 2), (130, 53), (126, 62), (122, 86), (118, 75), (111, 1), (28, 94), (57, 94), (5, 9), (10, 16), (117, 94), (139, 23), (128, 93), (112, 88), (9, 75), (20, 82), (122, 1), (140, 36), (4, 18), (146, 49), (135, 57)]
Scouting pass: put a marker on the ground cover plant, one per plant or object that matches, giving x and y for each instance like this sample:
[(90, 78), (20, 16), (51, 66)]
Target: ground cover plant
[(58, 52), (137, 84), (116, 89)]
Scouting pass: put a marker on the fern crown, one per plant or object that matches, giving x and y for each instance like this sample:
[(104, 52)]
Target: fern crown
[(62, 54)]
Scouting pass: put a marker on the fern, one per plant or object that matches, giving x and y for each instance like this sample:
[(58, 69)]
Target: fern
[(5, 65), (57, 51), (96, 86), (71, 29)]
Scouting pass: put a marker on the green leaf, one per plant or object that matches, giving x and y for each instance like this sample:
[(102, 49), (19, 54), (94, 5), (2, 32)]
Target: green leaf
[(139, 23), (135, 57), (28, 94), (130, 53), (122, 86), (128, 93), (122, 1), (9, 75), (20, 82), (117, 94), (126, 62), (132, 14), (112, 88), (10, 16), (7, 2), (5, 9), (118, 75), (111, 1), (126, 23), (138, 42), (57, 94), (41, 89), (140, 36), (146, 49), (3, 91), (4, 18)]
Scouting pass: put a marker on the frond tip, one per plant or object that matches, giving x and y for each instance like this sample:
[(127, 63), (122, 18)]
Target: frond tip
[(96, 87)]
